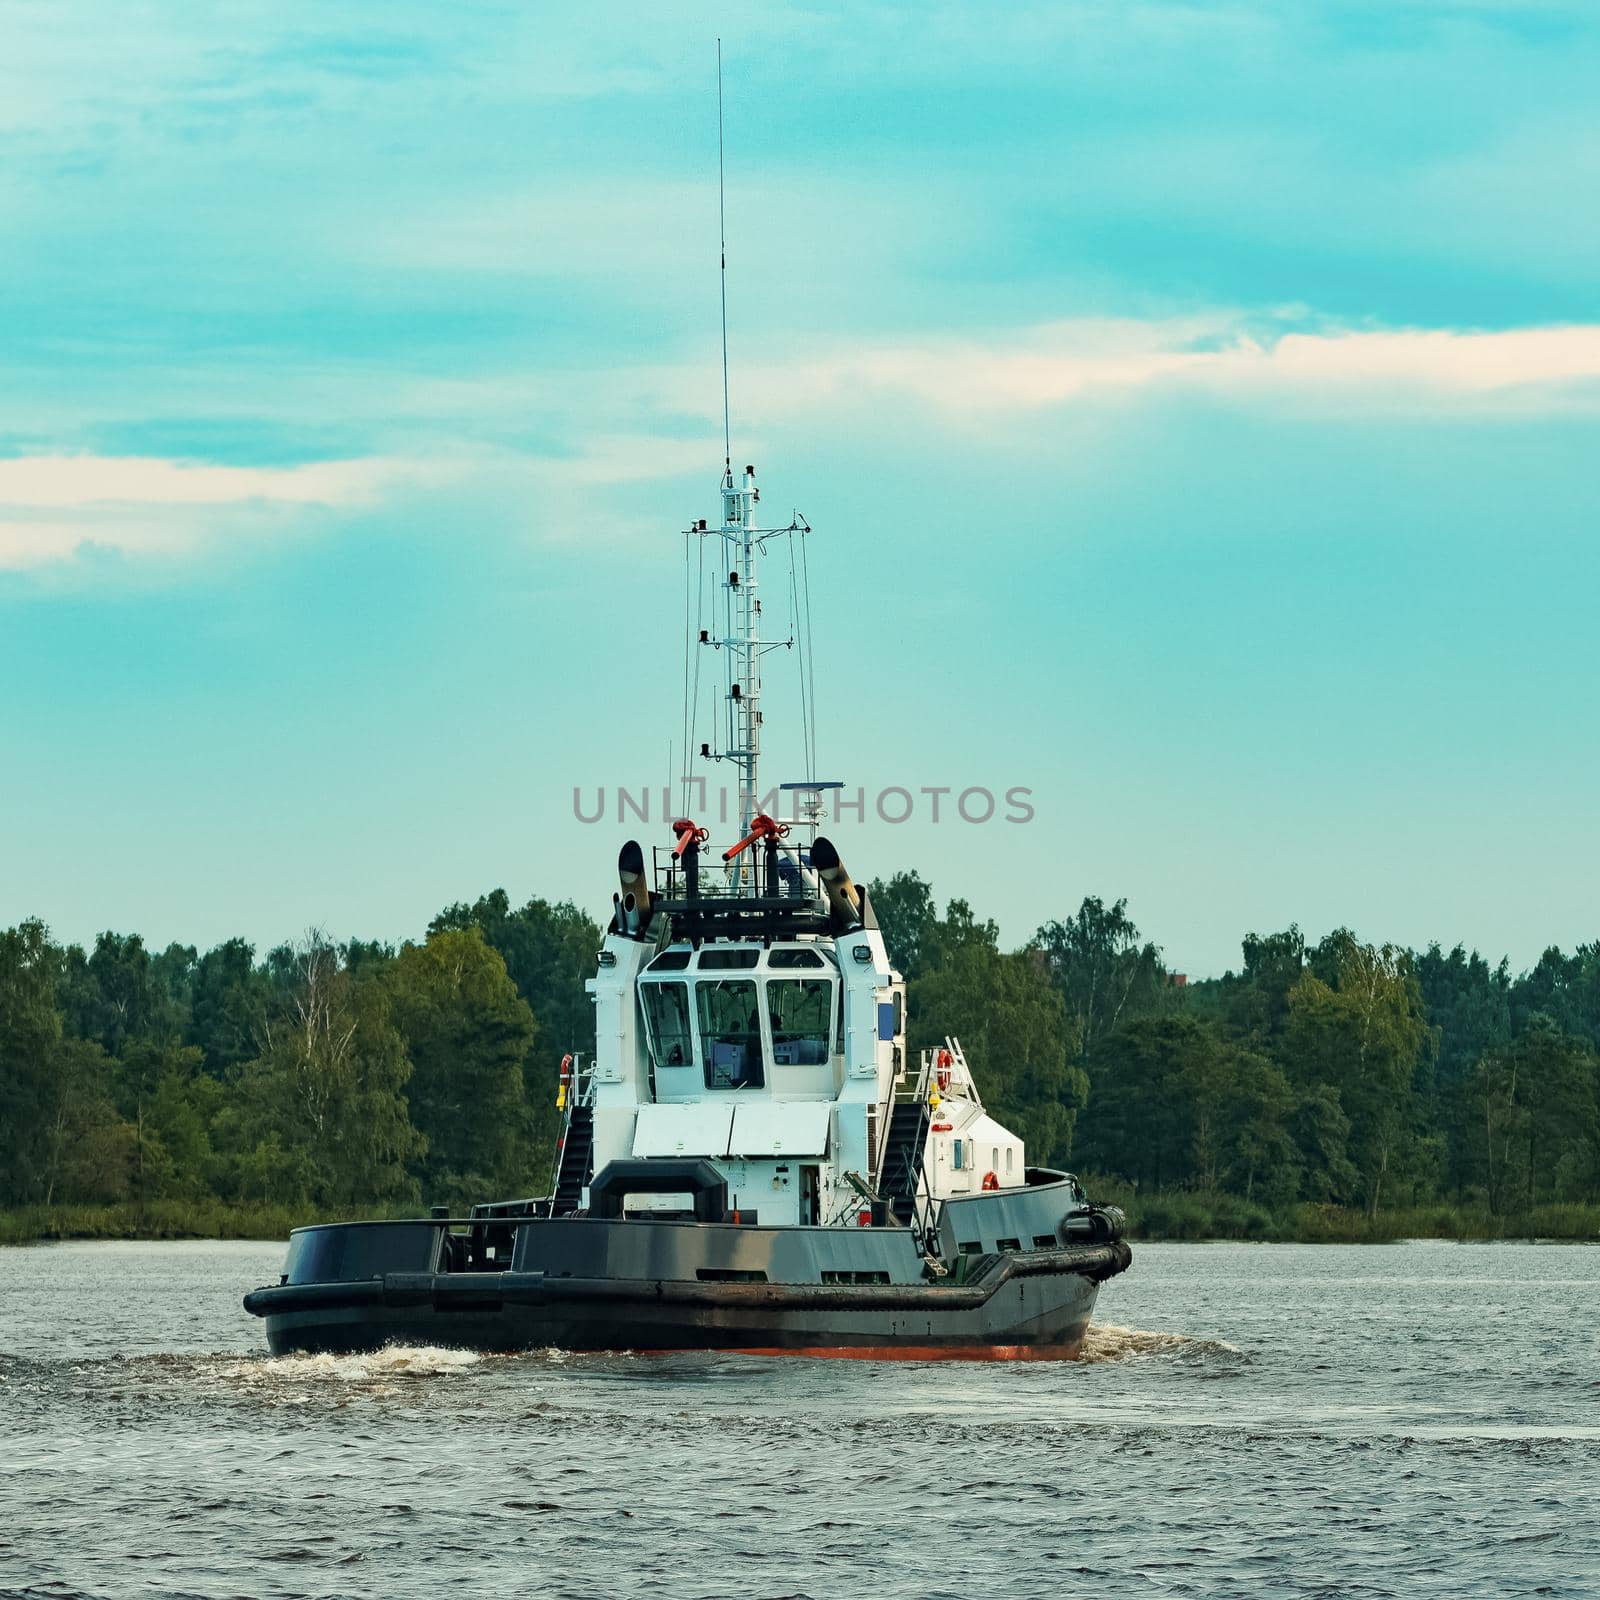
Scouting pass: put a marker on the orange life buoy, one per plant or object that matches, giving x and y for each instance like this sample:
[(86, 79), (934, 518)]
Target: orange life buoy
[(941, 1067), (991, 1180)]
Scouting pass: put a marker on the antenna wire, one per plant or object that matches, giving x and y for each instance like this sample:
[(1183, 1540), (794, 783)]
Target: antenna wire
[(722, 225)]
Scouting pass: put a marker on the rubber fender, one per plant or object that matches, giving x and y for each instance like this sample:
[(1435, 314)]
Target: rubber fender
[(1097, 1224)]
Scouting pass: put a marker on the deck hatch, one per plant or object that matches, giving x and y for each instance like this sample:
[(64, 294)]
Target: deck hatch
[(695, 1128), (780, 1128)]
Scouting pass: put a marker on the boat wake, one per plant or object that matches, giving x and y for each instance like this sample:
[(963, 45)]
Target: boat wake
[(370, 1368), (378, 1371), (1105, 1341)]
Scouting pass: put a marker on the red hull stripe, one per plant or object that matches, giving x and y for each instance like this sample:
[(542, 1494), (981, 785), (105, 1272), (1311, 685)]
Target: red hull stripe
[(905, 1352)]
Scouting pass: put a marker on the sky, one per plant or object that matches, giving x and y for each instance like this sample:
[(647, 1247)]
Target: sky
[(1196, 408)]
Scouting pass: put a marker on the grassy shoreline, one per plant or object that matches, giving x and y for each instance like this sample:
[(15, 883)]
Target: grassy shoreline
[(169, 1219), (1188, 1216), (1175, 1216)]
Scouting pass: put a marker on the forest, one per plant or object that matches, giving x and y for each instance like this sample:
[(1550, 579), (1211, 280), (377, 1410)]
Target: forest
[(1329, 1089)]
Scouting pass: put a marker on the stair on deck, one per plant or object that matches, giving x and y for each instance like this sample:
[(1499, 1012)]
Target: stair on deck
[(902, 1159), (576, 1154)]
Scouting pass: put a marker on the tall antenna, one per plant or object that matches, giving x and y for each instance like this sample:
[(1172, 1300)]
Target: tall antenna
[(722, 225), (739, 725)]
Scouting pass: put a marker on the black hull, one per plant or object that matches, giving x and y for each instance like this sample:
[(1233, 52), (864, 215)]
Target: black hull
[(1005, 1274), (1036, 1305)]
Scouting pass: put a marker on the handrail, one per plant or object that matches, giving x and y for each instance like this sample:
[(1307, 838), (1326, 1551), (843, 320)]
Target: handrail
[(725, 882), (926, 1209), (580, 1097)]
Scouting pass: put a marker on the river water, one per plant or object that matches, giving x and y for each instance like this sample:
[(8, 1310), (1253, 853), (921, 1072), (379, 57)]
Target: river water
[(1417, 1419)]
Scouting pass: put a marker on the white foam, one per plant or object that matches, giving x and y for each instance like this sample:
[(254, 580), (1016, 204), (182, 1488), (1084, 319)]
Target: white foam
[(393, 1361), (1105, 1341)]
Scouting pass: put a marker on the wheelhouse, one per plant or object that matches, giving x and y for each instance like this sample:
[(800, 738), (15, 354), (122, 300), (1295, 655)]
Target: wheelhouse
[(733, 1018)]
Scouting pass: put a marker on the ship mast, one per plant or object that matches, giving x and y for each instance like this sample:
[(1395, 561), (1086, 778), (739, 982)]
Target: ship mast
[(741, 540)]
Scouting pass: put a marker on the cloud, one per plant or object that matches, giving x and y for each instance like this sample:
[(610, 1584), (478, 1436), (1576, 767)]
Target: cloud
[(53, 507), (58, 508), (613, 440), (1052, 364), (72, 480), (1437, 360)]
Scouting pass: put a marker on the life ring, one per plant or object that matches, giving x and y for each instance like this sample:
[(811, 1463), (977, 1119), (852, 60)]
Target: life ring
[(941, 1069), (991, 1180)]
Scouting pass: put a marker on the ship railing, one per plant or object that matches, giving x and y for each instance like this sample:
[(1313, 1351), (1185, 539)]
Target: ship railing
[(580, 1085), (916, 1089), (785, 875), (910, 1089), (926, 1213), (955, 1075), (580, 1096), (583, 1084)]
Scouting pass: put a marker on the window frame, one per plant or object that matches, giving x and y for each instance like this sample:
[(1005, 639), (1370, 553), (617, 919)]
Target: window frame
[(703, 1037), (652, 1043), (830, 1036)]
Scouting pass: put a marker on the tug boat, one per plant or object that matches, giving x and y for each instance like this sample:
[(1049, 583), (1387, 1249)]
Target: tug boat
[(752, 1160)]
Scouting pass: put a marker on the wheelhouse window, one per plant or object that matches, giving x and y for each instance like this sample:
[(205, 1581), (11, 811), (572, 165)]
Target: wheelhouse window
[(794, 958), (800, 1011), (737, 956), (730, 1033), (666, 1014)]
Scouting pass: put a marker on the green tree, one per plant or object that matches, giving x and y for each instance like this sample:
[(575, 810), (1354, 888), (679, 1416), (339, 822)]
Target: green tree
[(1105, 975), (181, 1115), (1175, 1103), (1322, 1136), (1140, 1124), (1016, 1034), (365, 957), (468, 1033), (172, 980), (1566, 989), (168, 1104), (1263, 1153), (320, 1115), (30, 1034), (906, 915), (1469, 1003), (1536, 1109), (1258, 1000), (89, 1147), (549, 950), (229, 997), (1362, 1034), (120, 994)]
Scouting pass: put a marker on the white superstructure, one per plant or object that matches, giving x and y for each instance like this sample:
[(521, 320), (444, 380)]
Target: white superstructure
[(748, 1014), (780, 1064)]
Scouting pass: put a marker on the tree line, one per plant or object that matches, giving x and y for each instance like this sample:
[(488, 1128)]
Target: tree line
[(321, 1075), (1337, 1072), (340, 1076)]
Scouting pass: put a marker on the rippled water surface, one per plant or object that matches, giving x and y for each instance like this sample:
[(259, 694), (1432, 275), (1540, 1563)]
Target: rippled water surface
[(1417, 1419)]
